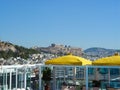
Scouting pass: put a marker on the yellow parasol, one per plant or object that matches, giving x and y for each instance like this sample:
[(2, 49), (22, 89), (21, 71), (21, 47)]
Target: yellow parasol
[(68, 60), (111, 61), (108, 61)]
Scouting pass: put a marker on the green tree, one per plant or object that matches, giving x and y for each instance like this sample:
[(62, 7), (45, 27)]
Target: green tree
[(46, 77)]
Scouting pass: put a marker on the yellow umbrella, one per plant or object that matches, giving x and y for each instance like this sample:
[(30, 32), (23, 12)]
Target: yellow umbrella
[(108, 61), (68, 60), (112, 61)]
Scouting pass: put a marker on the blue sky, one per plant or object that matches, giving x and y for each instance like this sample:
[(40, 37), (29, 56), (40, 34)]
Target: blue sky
[(79, 23)]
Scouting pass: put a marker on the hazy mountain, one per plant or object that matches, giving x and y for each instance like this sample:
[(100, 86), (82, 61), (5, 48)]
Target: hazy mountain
[(101, 52)]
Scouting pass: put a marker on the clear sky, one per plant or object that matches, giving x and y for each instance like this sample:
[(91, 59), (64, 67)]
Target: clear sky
[(78, 23)]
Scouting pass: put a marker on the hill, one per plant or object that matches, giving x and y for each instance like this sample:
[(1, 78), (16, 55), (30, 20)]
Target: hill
[(100, 52), (8, 50), (60, 50), (6, 46)]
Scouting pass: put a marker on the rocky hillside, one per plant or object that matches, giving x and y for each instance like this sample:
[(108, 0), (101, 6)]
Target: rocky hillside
[(8, 50), (6, 46), (60, 49)]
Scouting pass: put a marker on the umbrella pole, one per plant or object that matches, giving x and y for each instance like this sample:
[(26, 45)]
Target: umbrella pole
[(96, 73), (54, 78), (64, 73), (86, 75), (74, 74), (109, 76)]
